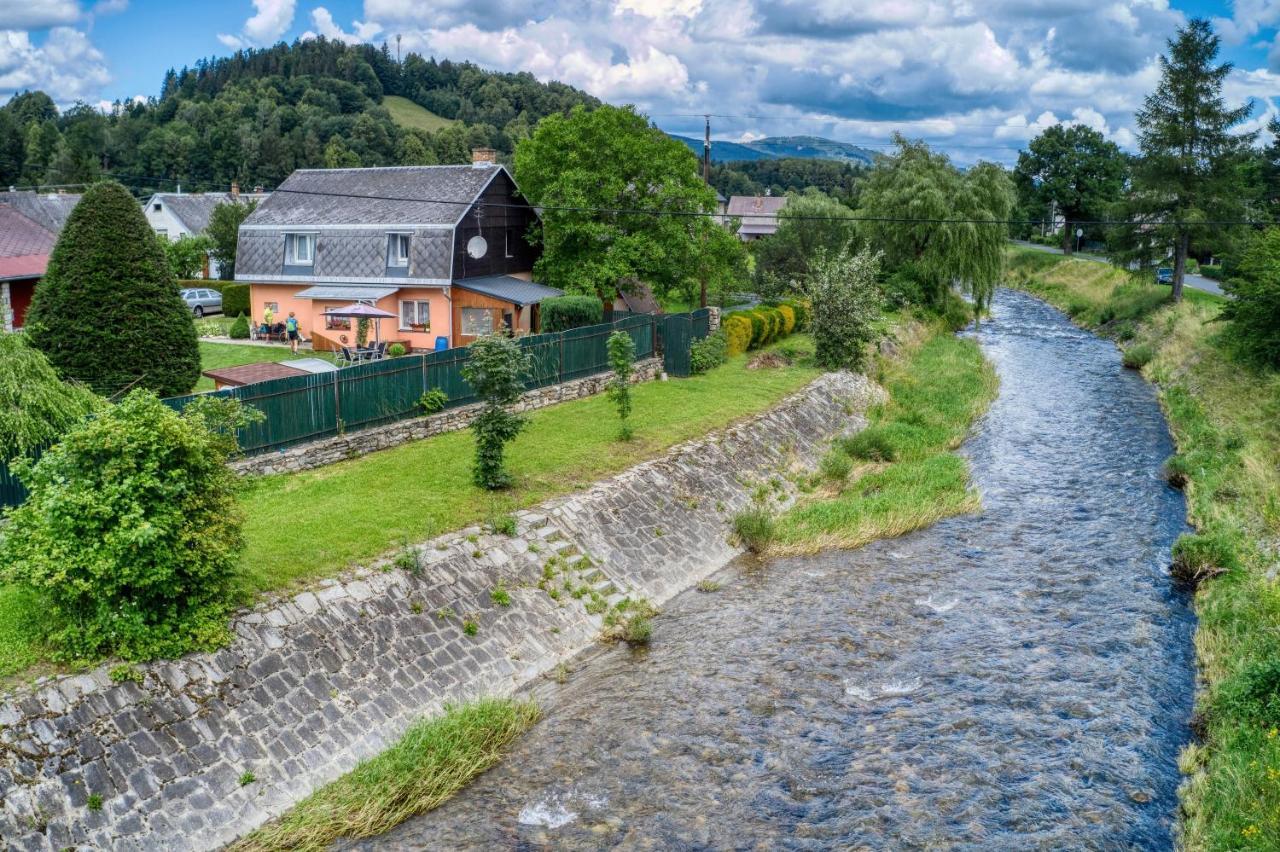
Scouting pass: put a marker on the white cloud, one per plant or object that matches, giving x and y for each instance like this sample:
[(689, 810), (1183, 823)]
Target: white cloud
[(110, 7), (326, 26), (1247, 18), (271, 20), (29, 15), (66, 65)]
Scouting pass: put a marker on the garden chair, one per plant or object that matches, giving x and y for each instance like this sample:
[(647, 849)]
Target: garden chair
[(348, 356)]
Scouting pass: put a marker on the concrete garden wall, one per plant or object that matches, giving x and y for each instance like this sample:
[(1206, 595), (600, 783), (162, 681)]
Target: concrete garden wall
[(317, 682)]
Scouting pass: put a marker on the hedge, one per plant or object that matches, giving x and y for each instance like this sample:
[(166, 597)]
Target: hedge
[(737, 331), (561, 313), (235, 300), (1211, 271), (764, 324), (202, 284)]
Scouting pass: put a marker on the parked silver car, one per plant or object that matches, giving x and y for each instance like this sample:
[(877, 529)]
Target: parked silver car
[(202, 301)]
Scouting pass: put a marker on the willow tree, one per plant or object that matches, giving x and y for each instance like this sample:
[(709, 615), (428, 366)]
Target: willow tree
[(944, 227), (36, 407)]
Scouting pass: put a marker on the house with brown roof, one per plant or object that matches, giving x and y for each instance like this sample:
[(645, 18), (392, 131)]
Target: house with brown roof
[(442, 248), (757, 215), (25, 246)]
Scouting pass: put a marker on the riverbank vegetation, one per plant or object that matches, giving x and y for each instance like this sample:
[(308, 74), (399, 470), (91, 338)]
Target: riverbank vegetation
[(1224, 411), (899, 473), (432, 761)]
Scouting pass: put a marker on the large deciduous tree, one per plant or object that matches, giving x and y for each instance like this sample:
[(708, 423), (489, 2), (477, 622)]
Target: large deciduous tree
[(1191, 176), (607, 180), (944, 226), (107, 312), (1074, 169), (224, 232)]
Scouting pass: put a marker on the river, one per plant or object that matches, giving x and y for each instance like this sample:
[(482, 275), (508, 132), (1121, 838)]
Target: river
[(1020, 679)]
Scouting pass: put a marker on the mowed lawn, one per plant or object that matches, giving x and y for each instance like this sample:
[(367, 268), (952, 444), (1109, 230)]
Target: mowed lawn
[(214, 356), (410, 115), (307, 526)]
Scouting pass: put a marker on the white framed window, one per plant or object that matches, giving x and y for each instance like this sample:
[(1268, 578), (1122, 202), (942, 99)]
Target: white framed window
[(477, 322), (397, 250), (415, 315), (300, 249)]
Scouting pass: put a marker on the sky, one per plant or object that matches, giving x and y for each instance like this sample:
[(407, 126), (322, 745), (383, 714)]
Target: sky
[(976, 78)]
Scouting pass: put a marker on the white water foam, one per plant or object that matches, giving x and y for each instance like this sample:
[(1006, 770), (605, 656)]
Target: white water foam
[(936, 606), (549, 813), (889, 689)]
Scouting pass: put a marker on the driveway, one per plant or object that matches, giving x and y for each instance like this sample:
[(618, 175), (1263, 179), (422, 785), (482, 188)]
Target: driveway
[(1197, 282)]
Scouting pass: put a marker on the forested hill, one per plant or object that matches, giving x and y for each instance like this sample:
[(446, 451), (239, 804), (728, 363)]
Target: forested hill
[(256, 116)]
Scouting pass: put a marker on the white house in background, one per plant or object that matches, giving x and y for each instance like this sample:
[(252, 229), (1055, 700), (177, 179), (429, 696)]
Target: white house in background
[(757, 215), (174, 215)]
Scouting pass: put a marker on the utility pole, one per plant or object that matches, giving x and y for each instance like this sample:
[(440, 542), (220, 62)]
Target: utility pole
[(706, 152)]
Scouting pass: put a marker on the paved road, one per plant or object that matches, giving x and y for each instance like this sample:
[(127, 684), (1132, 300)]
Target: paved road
[(1197, 282)]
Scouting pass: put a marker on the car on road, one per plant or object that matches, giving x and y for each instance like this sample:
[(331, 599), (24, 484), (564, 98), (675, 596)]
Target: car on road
[(202, 301), (1164, 275)]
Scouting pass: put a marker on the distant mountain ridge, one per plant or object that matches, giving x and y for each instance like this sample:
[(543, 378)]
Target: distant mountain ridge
[(779, 147)]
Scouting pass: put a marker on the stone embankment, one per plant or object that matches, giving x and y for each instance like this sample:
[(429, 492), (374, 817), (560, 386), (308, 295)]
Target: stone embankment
[(315, 683)]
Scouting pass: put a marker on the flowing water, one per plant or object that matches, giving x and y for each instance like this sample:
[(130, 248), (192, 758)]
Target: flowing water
[(1017, 680)]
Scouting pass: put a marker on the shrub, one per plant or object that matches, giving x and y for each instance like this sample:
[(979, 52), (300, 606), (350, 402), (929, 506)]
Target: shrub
[(1212, 271), (433, 400), (846, 306), (1197, 556), (186, 255), (107, 312), (1252, 694), (561, 313), (36, 407), (622, 356), (709, 352), (239, 329), (235, 300), (396, 350), (132, 531), (755, 528), (804, 313), (871, 444), (1138, 356), (494, 371), (788, 318), (836, 465), (737, 331)]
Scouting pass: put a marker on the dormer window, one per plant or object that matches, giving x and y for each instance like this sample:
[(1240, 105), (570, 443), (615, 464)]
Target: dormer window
[(398, 250), (299, 249)]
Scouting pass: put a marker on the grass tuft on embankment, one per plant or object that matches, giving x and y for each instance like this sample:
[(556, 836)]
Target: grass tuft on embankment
[(433, 760), (905, 476), (1225, 419)]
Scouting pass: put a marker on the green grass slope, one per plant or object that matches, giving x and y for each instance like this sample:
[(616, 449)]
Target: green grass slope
[(410, 116)]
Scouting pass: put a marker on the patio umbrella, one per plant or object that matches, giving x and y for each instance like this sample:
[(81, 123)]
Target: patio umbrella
[(362, 311)]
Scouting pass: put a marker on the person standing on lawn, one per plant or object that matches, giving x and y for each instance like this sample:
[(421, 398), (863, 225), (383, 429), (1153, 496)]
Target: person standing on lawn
[(294, 331)]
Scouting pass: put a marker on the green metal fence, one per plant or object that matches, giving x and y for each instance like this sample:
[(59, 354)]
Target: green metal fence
[(305, 408)]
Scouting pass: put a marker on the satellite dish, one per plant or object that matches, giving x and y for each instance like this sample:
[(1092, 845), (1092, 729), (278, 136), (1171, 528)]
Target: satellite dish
[(477, 246)]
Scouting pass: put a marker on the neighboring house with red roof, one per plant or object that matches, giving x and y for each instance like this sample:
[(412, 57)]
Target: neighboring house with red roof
[(25, 246), (757, 214)]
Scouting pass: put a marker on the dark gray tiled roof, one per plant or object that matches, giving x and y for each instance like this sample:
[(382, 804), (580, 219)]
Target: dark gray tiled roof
[(508, 289), (49, 209), (344, 254), (192, 209), (396, 195)]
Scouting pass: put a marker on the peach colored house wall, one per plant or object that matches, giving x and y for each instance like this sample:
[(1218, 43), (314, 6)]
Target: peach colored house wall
[(310, 312)]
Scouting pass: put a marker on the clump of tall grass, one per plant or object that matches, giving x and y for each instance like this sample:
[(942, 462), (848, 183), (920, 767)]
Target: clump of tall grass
[(433, 760), (873, 443), (755, 528), (1138, 356)]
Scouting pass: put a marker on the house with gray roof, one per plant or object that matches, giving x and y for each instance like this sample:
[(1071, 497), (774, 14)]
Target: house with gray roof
[(47, 209), (757, 215), (444, 248), (174, 215)]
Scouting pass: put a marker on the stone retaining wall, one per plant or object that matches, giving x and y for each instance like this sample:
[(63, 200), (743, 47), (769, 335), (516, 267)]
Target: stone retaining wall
[(313, 684), (330, 450)]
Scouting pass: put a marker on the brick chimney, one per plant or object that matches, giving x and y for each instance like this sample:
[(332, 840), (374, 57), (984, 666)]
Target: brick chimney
[(235, 191), (483, 158)]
